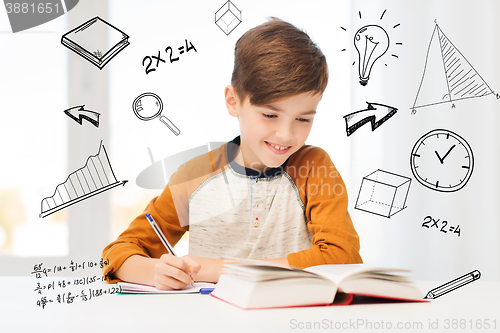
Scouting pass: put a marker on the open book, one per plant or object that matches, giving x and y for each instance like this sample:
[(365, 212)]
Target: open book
[(268, 286)]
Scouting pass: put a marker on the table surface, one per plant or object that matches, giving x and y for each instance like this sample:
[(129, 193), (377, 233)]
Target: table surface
[(472, 308)]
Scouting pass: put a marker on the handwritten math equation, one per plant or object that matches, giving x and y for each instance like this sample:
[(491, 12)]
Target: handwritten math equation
[(67, 290), (40, 271), (152, 62), (442, 226), (84, 295), (66, 283)]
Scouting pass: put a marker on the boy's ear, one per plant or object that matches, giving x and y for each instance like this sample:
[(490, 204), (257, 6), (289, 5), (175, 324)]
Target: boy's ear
[(232, 101)]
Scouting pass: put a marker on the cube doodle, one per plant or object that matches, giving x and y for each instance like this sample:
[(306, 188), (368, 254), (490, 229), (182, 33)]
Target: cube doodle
[(383, 193), (228, 17)]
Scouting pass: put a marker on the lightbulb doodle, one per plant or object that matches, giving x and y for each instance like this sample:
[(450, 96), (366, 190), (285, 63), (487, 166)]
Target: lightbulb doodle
[(459, 81), (371, 42)]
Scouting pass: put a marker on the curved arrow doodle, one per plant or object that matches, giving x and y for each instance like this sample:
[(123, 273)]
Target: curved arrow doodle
[(78, 113), (374, 111)]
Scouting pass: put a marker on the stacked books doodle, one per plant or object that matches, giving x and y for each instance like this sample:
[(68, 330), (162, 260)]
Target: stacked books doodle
[(95, 177), (96, 40)]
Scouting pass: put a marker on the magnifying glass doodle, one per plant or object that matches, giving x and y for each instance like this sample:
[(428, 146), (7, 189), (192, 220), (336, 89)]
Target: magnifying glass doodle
[(148, 106)]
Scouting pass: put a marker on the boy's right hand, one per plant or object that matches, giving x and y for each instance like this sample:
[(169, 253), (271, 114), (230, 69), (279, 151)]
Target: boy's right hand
[(171, 272)]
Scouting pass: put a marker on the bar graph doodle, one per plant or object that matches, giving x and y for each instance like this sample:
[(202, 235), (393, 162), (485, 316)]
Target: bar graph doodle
[(95, 177), (459, 81)]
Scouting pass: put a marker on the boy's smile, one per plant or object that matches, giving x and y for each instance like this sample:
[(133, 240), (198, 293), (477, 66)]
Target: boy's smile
[(271, 133), (277, 149)]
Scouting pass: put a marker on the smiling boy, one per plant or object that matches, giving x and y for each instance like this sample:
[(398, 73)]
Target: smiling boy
[(265, 194)]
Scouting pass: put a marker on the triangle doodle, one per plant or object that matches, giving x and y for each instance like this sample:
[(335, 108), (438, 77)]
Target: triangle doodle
[(459, 81)]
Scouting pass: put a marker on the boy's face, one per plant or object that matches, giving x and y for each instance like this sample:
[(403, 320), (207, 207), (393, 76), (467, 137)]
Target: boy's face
[(271, 133)]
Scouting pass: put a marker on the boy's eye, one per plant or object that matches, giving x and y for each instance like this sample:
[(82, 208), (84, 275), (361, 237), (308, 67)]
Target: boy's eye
[(270, 116)]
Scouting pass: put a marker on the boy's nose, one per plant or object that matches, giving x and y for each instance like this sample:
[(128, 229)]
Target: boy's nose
[(285, 133)]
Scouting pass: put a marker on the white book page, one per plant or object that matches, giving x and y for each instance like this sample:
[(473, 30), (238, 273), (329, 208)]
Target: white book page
[(338, 273)]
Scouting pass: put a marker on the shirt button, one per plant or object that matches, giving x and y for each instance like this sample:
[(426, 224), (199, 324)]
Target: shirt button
[(256, 223)]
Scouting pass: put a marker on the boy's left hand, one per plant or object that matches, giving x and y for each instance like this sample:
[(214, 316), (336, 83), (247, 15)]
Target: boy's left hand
[(210, 269)]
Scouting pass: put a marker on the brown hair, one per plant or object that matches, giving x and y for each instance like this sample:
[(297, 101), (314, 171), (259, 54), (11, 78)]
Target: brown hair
[(276, 60)]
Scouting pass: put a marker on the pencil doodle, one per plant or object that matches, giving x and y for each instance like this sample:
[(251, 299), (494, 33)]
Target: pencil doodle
[(148, 106), (371, 42), (228, 17), (375, 113), (96, 40), (383, 193), (95, 177), (150, 67), (454, 284), (78, 113), (459, 81), (442, 160), (430, 222)]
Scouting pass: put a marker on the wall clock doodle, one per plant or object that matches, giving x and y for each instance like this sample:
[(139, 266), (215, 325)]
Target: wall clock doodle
[(442, 160)]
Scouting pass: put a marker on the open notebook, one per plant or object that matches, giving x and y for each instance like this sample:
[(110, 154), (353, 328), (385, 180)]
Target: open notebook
[(133, 288)]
